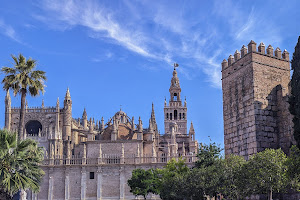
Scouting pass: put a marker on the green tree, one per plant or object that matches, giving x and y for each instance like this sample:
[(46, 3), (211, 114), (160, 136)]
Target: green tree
[(208, 155), (294, 98), (293, 165), (195, 182), (143, 182), (23, 79), (267, 172), (19, 164), (210, 168), (172, 180), (234, 184)]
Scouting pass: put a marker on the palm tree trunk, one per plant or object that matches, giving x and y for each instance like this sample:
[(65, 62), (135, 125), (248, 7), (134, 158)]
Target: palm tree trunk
[(22, 115)]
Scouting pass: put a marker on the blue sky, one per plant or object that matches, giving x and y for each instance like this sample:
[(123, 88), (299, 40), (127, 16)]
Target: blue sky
[(112, 53)]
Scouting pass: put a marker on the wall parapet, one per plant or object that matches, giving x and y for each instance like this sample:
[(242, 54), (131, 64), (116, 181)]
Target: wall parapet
[(278, 54), (110, 159)]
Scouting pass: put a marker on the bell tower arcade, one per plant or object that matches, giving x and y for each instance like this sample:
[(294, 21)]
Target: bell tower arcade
[(175, 112)]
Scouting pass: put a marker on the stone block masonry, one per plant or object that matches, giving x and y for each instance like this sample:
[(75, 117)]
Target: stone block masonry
[(255, 88)]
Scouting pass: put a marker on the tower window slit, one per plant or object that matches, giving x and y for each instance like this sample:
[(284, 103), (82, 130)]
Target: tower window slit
[(183, 116), (175, 114), (179, 115), (170, 116), (167, 116)]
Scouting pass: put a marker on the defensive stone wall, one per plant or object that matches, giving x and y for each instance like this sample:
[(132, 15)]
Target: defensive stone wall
[(255, 91)]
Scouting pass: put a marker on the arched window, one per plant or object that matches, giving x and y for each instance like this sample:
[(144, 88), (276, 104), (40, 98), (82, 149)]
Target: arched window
[(33, 127), (175, 97), (170, 116), (183, 116), (167, 116), (175, 114), (179, 115)]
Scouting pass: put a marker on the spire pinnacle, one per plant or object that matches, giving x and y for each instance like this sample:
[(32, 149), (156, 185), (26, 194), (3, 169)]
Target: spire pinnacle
[(102, 124), (150, 126), (43, 105), (192, 130), (68, 96), (153, 120), (140, 128), (84, 115), (114, 128)]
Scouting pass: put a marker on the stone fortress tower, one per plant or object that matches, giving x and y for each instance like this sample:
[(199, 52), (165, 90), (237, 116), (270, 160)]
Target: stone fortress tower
[(255, 84), (92, 159)]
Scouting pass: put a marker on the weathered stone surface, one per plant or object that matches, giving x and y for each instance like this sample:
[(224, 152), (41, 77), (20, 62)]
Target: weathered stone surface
[(255, 92)]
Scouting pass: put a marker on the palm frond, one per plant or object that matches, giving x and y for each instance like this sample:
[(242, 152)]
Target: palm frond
[(19, 163), (39, 75), (8, 70)]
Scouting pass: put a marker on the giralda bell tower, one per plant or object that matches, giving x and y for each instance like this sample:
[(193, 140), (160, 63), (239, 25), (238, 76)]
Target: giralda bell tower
[(175, 112)]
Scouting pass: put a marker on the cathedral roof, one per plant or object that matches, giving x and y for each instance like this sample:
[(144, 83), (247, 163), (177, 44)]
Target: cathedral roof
[(124, 132)]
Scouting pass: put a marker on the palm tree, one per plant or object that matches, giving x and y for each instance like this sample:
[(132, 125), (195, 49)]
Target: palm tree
[(19, 164), (22, 79)]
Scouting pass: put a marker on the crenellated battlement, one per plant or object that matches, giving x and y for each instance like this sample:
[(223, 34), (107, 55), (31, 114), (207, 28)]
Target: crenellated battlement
[(277, 54)]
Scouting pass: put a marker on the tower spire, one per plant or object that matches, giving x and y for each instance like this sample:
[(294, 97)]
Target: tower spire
[(68, 96), (84, 119), (140, 128), (153, 120), (67, 116), (102, 124), (175, 86), (192, 130), (175, 112)]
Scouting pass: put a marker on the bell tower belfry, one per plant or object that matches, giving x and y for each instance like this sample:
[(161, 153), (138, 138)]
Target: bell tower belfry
[(175, 112)]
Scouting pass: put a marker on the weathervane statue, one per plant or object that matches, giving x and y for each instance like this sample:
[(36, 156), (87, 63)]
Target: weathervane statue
[(175, 65)]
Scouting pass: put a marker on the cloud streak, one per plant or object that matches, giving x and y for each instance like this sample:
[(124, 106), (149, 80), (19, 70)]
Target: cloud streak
[(9, 31), (164, 33), (89, 15)]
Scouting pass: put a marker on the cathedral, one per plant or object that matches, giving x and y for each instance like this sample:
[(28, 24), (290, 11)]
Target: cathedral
[(93, 159)]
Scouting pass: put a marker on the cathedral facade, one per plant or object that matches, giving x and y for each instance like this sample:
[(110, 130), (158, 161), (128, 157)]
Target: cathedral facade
[(88, 159)]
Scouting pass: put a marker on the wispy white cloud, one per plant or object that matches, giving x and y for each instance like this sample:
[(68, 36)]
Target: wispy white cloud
[(9, 31), (103, 56), (88, 14), (244, 25), (103, 23), (163, 33)]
